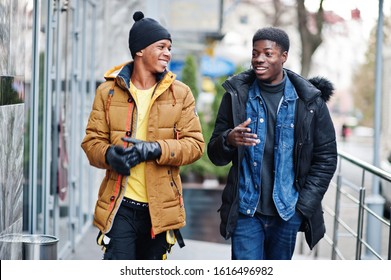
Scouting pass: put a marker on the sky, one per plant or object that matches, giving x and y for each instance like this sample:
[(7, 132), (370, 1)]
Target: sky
[(369, 8)]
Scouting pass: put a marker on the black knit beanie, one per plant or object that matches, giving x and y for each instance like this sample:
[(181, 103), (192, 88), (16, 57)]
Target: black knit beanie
[(144, 32)]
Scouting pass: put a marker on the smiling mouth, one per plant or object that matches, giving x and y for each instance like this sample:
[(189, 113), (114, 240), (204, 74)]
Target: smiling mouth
[(260, 69), (164, 62)]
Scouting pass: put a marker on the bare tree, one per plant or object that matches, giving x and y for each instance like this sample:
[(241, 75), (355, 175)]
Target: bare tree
[(310, 34), (276, 16)]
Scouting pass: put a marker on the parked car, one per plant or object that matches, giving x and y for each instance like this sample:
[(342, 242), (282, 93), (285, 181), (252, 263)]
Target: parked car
[(385, 186)]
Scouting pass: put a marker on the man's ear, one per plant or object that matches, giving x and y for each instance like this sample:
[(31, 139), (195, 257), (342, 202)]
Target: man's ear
[(139, 53), (285, 56)]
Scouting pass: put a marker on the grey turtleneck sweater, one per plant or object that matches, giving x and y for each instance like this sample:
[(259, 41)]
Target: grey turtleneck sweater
[(271, 95)]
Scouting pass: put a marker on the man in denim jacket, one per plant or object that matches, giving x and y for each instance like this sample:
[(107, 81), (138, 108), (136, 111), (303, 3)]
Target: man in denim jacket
[(275, 128)]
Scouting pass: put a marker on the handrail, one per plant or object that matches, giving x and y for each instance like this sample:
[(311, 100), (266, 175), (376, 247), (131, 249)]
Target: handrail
[(343, 188), (367, 166)]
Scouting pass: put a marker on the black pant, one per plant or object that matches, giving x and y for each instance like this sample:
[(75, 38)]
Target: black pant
[(130, 237)]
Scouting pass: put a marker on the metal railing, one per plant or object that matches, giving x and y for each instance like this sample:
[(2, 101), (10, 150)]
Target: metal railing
[(354, 214)]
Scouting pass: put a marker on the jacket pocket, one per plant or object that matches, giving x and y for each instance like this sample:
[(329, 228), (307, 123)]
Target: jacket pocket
[(172, 213), (314, 228)]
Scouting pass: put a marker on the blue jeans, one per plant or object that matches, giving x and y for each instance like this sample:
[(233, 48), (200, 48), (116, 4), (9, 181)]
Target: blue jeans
[(265, 237)]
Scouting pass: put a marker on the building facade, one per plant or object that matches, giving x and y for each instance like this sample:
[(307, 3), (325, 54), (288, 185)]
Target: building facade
[(47, 82)]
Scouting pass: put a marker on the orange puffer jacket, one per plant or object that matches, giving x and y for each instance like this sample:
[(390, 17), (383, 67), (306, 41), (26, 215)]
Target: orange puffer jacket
[(173, 123)]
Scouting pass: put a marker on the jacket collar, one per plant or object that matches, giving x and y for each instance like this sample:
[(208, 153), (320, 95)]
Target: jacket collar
[(122, 73), (305, 90)]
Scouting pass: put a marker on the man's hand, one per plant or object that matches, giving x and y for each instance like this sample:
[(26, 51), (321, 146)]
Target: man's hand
[(241, 135), (142, 151), (117, 158)]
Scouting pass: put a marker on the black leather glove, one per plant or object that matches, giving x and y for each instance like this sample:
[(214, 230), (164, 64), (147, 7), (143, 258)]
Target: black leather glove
[(117, 158), (142, 151)]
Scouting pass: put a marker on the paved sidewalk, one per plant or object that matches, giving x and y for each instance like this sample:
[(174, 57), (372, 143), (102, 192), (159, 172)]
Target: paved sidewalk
[(87, 249)]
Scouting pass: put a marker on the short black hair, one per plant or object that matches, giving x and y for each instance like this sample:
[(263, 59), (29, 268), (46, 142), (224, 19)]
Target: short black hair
[(277, 35)]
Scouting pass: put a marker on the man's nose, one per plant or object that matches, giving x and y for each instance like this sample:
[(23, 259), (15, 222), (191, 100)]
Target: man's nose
[(167, 52), (261, 57)]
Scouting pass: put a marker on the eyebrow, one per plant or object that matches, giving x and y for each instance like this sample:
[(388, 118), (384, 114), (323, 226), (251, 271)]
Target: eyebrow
[(164, 44), (263, 49)]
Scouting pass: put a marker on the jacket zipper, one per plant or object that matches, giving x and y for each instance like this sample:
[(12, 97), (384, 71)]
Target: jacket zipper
[(176, 186)]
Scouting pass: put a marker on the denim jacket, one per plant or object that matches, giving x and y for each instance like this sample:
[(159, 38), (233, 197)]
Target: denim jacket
[(285, 194)]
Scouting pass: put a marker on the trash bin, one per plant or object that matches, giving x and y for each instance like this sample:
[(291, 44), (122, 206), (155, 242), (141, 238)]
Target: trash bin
[(11, 246), (39, 247)]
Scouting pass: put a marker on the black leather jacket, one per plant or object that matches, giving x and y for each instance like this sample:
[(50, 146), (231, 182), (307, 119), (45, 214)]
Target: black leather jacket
[(315, 156)]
